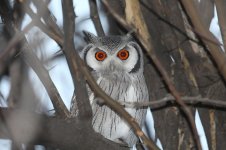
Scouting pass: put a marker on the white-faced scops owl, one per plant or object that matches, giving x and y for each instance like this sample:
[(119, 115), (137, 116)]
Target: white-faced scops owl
[(117, 65)]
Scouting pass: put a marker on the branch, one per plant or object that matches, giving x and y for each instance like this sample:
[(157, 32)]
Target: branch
[(48, 17), (43, 75), (136, 22), (74, 61), (196, 100), (96, 17), (17, 38), (16, 73), (55, 132), (51, 32), (215, 50)]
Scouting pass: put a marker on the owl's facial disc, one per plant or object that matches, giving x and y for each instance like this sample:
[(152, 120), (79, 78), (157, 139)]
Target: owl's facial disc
[(124, 59)]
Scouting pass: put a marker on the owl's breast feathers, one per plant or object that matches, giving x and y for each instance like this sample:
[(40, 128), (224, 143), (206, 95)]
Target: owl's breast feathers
[(123, 87), (120, 88)]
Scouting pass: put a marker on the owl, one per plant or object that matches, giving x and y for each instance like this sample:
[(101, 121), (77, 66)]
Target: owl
[(116, 63)]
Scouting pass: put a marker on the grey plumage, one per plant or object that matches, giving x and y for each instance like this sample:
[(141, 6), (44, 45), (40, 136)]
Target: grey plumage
[(117, 65)]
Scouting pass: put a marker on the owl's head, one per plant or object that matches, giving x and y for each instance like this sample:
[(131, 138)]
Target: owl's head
[(112, 54)]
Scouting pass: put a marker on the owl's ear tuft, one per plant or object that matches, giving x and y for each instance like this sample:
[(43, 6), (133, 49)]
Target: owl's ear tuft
[(128, 37), (90, 37), (131, 33)]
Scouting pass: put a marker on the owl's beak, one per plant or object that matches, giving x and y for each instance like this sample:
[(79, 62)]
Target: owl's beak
[(112, 66)]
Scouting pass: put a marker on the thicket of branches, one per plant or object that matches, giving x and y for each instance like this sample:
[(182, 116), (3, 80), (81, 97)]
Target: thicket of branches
[(184, 69)]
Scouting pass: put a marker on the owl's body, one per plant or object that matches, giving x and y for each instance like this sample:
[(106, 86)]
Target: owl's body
[(117, 65)]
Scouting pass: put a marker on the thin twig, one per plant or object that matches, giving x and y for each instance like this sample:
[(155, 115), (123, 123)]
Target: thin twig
[(17, 38), (96, 17), (145, 39), (48, 17), (51, 33), (196, 100)]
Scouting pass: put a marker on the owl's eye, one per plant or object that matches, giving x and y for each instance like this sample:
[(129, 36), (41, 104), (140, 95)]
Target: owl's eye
[(123, 54), (100, 55)]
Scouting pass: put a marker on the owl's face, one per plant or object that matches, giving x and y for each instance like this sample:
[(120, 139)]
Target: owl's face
[(112, 55)]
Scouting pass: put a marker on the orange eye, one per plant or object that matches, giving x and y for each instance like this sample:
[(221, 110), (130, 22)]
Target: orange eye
[(100, 55), (123, 54)]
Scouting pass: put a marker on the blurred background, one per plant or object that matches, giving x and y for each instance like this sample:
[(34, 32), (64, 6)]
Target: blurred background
[(49, 52)]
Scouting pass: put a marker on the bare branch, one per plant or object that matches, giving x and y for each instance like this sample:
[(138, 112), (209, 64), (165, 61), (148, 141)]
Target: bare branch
[(74, 61), (48, 17), (58, 133), (16, 74), (17, 37), (96, 17), (196, 100), (51, 33)]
